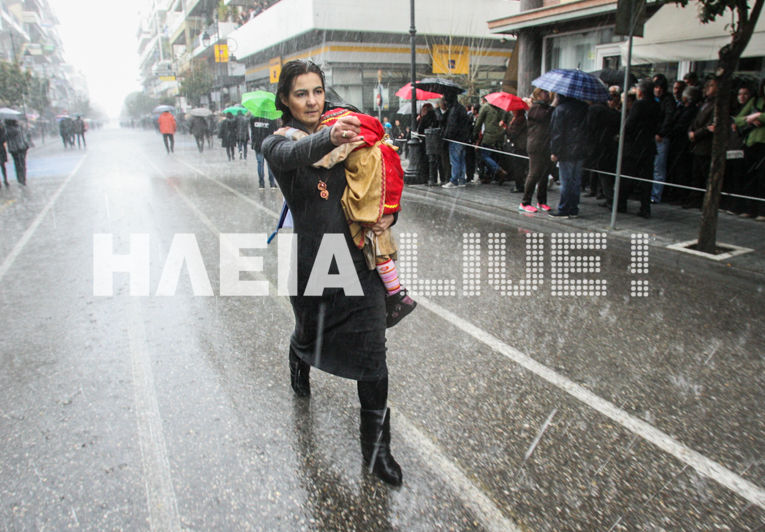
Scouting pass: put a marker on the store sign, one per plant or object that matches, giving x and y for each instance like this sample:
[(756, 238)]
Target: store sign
[(451, 59), (221, 53), (274, 69)]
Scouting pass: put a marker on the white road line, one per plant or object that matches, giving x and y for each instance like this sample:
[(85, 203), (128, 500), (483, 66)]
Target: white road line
[(484, 509), (160, 495), (703, 465), (249, 200), (19, 247)]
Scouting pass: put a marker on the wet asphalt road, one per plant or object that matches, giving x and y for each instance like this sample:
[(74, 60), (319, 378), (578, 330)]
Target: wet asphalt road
[(535, 413)]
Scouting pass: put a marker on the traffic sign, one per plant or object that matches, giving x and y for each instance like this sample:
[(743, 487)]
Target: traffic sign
[(221, 53)]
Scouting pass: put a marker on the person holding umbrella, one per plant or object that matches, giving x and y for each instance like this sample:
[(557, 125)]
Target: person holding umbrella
[(167, 128), (3, 154)]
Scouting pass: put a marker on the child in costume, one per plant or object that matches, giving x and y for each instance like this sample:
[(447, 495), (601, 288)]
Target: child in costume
[(375, 181)]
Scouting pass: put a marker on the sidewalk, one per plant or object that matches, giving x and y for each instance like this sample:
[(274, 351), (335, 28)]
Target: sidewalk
[(668, 224)]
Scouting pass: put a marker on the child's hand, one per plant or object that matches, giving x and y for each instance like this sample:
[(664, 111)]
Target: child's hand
[(346, 130), (385, 222)]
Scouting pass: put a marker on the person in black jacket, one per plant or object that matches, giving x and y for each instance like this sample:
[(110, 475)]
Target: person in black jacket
[(227, 134), (17, 141), (700, 134), (667, 107), (457, 129), (430, 148), (640, 148), (603, 121), (680, 160), (260, 128), (568, 147)]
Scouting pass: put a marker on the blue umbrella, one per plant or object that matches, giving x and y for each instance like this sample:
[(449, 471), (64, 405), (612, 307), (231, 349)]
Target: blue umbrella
[(574, 84)]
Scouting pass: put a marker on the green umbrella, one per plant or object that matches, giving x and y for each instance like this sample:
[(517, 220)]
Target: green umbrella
[(234, 109), (261, 104)]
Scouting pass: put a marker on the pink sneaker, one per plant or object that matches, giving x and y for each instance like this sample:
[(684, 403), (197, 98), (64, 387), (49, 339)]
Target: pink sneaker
[(527, 208), (543, 207)]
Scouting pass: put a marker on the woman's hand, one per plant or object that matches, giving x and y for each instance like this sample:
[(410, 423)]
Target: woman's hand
[(385, 222), (346, 130)]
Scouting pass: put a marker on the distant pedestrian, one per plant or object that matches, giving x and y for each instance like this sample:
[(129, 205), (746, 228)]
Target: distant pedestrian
[(17, 141), (167, 127), (568, 148), (260, 128), (227, 135), (242, 134), (80, 128), (198, 128), (66, 130), (3, 154), (457, 129)]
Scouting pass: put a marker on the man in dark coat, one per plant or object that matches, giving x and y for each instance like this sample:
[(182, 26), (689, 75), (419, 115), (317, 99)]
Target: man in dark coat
[(17, 140), (198, 128), (700, 134), (666, 103), (227, 134), (260, 128), (568, 147), (457, 129), (603, 121), (640, 147), (242, 134)]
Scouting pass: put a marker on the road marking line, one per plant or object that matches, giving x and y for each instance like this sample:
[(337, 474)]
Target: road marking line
[(18, 248), (484, 509), (158, 483), (252, 202), (703, 465)]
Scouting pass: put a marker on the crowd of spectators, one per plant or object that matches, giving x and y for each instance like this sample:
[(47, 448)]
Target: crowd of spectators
[(257, 7), (668, 141)]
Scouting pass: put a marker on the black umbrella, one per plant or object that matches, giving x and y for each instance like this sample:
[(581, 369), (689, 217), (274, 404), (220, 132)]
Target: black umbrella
[(439, 85), (610, 76)]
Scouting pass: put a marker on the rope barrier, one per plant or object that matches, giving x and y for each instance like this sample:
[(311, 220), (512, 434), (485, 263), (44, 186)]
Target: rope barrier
[(612, 174)]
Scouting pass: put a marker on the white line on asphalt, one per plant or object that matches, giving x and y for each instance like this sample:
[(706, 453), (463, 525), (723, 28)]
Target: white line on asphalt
[(160, 495), (484, 509), (232, 190), (703, 465), (17, 249)]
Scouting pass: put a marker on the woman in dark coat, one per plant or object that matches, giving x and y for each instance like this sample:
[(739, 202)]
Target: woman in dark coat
[(18, 144), (336, 331), (538, 148)]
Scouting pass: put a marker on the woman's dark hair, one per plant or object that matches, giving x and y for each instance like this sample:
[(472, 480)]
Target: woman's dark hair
[(290, 71)]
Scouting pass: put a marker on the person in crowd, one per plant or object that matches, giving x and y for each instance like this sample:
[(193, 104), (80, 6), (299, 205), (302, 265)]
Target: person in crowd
[(750, 124), (242, 134), (667, 109), (603, 120), (17, 142), (457, 129), (735, 173), (397, 132), (167, 127), (444, 164), (211, 130), (677, 93), (3, 154), (691, 79), (431, 145), (260, 129), (198, 129), (680, 157), (470, 166), (387, 126), (492, 135), (80, 127), (227, 135), (538, 148), (516, 132), (66, 130), (700, 134), (568, 148), (640, 128), (341, 334)]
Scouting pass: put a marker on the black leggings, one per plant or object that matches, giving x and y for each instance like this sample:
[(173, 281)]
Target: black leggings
[(373, 395)]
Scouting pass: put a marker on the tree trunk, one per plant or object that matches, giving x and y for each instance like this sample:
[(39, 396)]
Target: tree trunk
[(708, 228)]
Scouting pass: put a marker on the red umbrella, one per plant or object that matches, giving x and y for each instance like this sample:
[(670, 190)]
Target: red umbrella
[(506, 101), (406, 93)]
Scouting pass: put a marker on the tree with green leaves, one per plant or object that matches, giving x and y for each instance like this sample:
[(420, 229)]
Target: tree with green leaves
[(14, 84), (743, 20), (138, 104), (196, 82)]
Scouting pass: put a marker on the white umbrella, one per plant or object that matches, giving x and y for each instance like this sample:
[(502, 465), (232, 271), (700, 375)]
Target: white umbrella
[(6, 113), (200, 111)]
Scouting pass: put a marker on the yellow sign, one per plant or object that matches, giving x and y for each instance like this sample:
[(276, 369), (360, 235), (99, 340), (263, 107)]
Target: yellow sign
[(274, 69), (167, 78), (451, 59), (221, 53)]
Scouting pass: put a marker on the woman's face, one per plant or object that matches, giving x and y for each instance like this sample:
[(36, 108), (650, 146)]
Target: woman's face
[(306, 100)]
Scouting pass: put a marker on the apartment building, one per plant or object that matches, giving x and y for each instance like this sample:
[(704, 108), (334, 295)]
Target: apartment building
[(364, 48)]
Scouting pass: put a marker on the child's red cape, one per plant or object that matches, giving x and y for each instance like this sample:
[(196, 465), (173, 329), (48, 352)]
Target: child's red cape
[(373, 132)]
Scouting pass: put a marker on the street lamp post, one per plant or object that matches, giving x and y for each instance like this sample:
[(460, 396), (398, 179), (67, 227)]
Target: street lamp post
[(413, 146)]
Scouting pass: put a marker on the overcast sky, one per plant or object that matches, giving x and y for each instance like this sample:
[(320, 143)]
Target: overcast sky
[(99, 38)]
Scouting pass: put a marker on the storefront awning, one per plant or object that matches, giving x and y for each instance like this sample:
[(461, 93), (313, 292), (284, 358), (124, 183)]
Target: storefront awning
[(675, 33), (555, 14)]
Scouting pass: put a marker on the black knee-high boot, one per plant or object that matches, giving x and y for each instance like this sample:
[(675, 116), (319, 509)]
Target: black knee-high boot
[(299, 372), (375, 431)]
